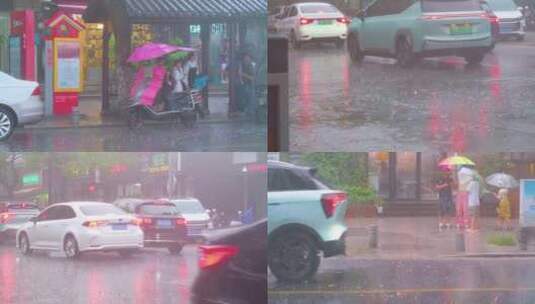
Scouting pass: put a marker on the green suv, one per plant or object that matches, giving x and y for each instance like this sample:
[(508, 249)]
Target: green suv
[(411, 29), (306, 218)]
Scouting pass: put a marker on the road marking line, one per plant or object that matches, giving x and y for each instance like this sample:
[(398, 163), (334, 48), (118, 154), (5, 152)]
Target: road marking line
[(389, 291)]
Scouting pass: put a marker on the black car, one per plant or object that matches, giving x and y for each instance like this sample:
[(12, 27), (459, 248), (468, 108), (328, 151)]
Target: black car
[(162, 225), (233, 266)]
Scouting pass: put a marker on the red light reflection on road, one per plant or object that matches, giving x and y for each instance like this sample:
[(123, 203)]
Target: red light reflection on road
[(95, 288), (7, 277), (305, 106), (184, 272), (145, 286)]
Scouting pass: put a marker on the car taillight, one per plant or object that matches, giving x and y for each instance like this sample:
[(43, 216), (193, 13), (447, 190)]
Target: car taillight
[(213, 255), (136, 221), (344, 20), (37, 91), (94, 224), (146, 221), (181, 221), (330, 201), (305, 21), (4, 217), (493, 19)]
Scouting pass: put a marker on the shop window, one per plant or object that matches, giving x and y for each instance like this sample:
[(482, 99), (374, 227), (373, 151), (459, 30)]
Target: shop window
[(378, 174), (406, 182), (429, 174)]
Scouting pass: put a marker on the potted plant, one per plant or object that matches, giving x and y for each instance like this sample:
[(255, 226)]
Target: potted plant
[(364, 202)]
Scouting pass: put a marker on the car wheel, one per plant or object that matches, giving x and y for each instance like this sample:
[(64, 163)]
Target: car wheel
[(176, 249), (135, 121), (293, 39), (7, 123), (520, 38), (353, 47), (339, 43), (188, 119), (404, 53), (70, 247), (293, 257), (473, 59), (24, 244)]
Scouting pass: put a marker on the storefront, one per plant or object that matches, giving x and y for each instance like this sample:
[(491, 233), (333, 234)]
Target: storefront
[(409, 177), (127, 24), (5, 8)]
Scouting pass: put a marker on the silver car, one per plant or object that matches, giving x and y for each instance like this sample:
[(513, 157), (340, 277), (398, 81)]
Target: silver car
[(20, 104)]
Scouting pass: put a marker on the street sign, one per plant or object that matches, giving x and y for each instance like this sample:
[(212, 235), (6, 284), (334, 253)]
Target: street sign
[(31, 179)]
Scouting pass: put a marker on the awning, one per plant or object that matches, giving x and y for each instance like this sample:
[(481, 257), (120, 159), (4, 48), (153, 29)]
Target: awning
[(170, 10), (72, 6)]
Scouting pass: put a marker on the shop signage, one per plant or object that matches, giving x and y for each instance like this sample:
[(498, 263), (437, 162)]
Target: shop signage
[(216, 28), (31, 179), (527, 202), (67, 53)]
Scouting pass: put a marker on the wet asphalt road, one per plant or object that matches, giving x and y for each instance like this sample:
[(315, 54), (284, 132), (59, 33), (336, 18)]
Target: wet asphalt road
[(152, 276), (439, 281), (440, 104), (219, 137)]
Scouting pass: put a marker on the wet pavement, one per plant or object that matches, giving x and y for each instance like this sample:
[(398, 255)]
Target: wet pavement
[(228, 136), (152, 276), (440, 104), (432, 281)]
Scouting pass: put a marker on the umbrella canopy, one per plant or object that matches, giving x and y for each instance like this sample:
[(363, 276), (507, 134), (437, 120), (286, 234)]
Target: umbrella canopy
[(456, 160), (151, 51), (501, 180)]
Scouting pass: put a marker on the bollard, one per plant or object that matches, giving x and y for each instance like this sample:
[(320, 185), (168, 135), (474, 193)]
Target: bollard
[(459, 242), (76, 116), (373, 236)]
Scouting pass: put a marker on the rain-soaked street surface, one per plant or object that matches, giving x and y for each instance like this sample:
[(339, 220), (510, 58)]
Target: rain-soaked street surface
[(440, 104), (152, 276), (437, 281), (219, 137)]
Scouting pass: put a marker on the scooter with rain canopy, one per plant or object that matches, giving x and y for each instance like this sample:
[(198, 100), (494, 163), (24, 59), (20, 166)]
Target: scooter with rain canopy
[(151, 86)]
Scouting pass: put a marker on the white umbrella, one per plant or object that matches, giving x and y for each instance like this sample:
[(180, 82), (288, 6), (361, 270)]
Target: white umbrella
[(501, 180)]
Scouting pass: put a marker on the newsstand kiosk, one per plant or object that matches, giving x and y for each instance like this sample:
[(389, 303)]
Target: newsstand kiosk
[(63, 64)]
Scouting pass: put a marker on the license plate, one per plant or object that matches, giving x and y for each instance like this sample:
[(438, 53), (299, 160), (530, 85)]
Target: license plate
[(325, 22), (118, 227), (164, 223), (460, 29)]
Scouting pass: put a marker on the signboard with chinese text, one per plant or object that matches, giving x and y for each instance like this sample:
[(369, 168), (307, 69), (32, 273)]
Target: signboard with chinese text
[(68, 70)]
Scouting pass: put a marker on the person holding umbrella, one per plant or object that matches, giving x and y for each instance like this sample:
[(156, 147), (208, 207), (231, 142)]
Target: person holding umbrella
[(504, 182)]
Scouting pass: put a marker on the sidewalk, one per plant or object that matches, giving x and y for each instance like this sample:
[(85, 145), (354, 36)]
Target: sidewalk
[(419, 237), (90, 116)]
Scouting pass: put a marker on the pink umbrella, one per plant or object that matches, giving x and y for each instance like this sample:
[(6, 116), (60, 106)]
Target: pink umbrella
[(151, 51)]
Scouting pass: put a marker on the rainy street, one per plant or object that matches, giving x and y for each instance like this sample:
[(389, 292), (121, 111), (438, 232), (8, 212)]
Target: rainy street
[(436, 281), (152, 276), (440, 104), (203, 137)]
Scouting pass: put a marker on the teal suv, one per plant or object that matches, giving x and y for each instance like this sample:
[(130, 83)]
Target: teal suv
[(306, 219), (411, 29)]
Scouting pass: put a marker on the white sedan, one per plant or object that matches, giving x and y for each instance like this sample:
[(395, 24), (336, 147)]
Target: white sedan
[(20, 104), (76, 227)]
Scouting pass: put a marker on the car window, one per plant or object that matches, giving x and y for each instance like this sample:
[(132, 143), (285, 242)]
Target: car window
[(293, 12), (101, 209), (189, 206), (64, 212), (435, 6), (317, 9), (280, 179), (157, 209), (377, 8), (49, 214), (502, 5)]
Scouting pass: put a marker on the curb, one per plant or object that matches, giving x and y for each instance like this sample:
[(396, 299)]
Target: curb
[(124, 124), (492, 255)]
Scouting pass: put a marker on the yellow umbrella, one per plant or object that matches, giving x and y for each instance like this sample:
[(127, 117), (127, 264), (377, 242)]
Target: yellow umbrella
[(455, 160)]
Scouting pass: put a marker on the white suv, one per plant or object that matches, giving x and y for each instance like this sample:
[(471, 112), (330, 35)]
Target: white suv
[(77, 227), (313, 21)]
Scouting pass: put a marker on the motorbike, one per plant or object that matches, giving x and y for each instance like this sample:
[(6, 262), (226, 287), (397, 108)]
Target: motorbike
[(179, 107)]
